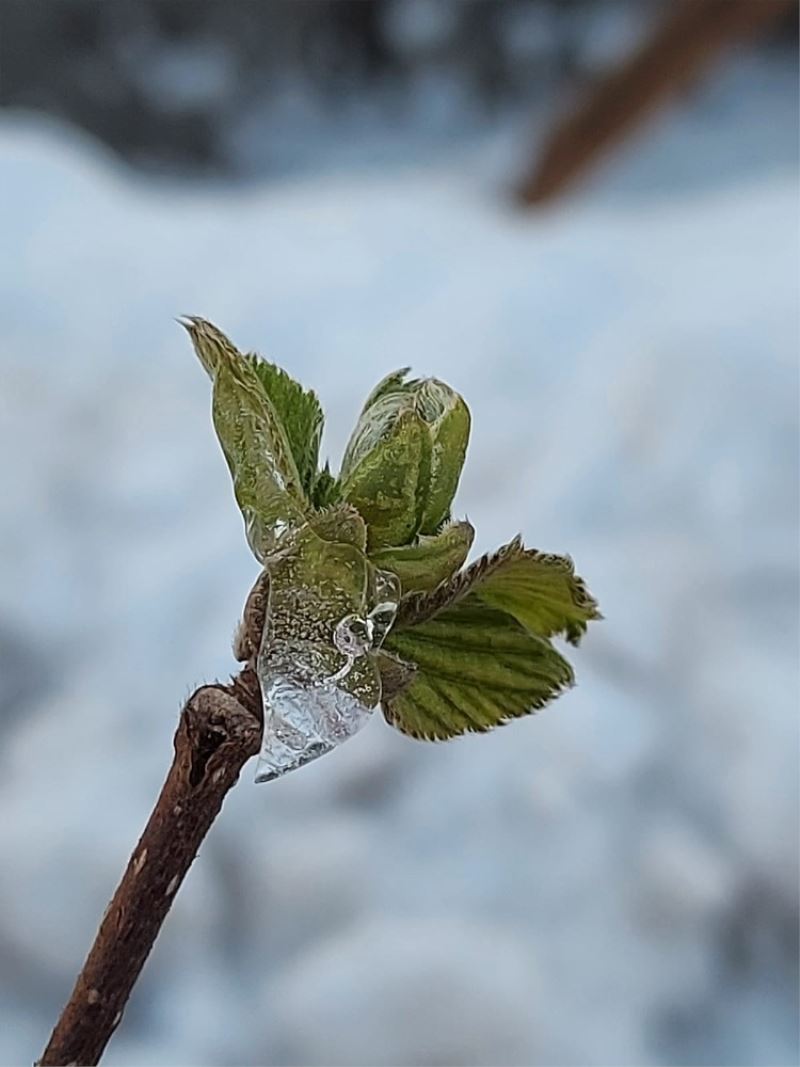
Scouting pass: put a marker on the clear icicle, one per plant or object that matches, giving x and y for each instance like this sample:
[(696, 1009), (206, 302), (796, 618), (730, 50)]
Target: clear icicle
[(328, 609)]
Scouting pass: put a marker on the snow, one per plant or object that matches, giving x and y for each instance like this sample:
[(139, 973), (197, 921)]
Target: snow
[(614, 881)]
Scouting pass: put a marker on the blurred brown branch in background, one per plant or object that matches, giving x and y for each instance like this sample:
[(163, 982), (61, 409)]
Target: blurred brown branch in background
[(680, 49)]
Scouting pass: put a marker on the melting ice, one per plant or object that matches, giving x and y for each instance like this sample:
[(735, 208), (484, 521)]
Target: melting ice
[(328, 608)]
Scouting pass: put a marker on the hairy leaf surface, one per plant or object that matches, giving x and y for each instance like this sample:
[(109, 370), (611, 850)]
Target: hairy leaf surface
[(541, 591), (476, 668), (428, 560)]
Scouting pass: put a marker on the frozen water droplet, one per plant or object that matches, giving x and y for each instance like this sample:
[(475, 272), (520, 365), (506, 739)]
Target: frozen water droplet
[(386, 587), (385, 598), (380, 620), (328, 608), (265, 537), (353, 636)]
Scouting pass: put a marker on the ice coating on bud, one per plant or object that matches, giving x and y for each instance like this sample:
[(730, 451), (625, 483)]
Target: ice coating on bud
[(390, 463), (264, 481), (402, 464), (254, 441), (328, 610), (449, 420)]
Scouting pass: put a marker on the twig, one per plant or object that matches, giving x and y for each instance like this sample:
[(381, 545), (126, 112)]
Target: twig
[(690, 37), (219, 730)]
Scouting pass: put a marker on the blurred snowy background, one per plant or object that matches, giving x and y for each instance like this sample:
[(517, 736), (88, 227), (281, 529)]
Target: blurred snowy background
[(611, 882)]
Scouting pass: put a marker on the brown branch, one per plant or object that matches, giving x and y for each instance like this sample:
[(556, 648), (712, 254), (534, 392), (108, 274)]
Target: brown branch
[(692, 34), (218, 731)]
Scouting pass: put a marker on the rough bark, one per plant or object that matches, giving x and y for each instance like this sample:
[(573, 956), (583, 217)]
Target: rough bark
[(218, 731)]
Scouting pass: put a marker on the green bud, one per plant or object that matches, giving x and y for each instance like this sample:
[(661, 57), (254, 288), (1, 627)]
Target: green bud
[(365, 590), (402, 464), (448, 419)]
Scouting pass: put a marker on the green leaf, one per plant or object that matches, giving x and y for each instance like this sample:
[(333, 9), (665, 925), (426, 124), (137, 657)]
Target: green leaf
[(383, 477), (429, 560), (541, 591), (300, 412), (266, 482), (476, 668), (419, 607), (325, 490)]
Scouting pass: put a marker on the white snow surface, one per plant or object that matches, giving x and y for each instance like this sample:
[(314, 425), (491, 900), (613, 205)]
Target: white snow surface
[(612, 881)]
